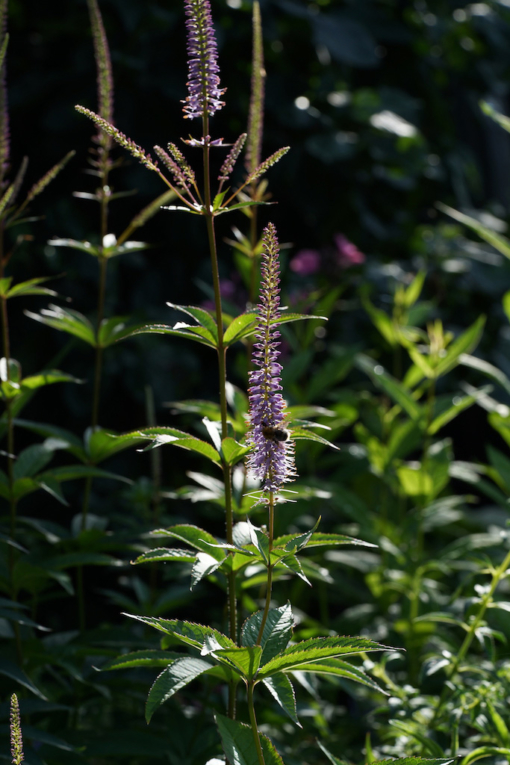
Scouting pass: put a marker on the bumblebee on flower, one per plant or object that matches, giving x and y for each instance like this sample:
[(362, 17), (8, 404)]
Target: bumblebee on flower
[(272, 458)]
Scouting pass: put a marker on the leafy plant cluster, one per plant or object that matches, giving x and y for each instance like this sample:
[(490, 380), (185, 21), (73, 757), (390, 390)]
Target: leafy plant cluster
[(356, 617)]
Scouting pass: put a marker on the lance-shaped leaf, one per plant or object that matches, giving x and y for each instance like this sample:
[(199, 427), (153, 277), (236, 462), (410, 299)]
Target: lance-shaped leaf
[(281, 689), (24, 388), (277, 631), (465, 343), (29, 287), (319, 539), (309, 651), (194, 537), (237, 741), (397, 392), (233, 451), (66, 320), (184, 441), (204, 565), (185, 632), (245, 325), (149, 658), (244, 661), (302, 434), (196, 333), (343, 669), (173, 678), (9, 669), (166, 555), (500, 243)]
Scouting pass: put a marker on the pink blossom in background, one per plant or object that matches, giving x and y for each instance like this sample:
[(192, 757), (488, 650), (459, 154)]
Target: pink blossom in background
[(348, 253), (305, 262)]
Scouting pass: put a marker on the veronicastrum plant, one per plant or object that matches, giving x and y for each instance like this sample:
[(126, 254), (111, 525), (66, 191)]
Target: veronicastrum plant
[(261, 651)]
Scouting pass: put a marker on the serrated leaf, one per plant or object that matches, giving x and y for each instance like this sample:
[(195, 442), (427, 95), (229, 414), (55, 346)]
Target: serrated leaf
[(197, 334), (293, 563), (280, 687), (485, 751), (233, 451), (149, 658), (66, 320), (302, 434), (184, 441), (201, 316), (238, 744), (31, 460), (320, 539), (185, 632), (194, 537), (343, 669), (277, 631), (205, 564), (165, 554), (309, 651), (244, 661), (173, 678)]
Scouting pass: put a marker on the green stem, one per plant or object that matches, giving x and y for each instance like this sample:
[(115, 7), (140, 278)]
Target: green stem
[(229, 519), (485, 602), (269, 569), (253, 721)]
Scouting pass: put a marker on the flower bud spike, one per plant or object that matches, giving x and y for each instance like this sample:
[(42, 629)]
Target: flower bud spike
[(231, 159), (256, 115), (272, 458), (203, 71), (104, 71), (16, 736), (136, 151), (4, 112), (177, 174)]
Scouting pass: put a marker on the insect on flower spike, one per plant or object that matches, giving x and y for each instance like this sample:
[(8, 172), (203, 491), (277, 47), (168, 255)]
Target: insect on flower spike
[(272, 458)]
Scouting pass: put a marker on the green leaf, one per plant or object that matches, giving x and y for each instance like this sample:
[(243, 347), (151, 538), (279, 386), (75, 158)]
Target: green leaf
[(232, 451), (334, 760), (197, 334), (244, 661), (237, 328), (309, 651), (112, 329), (460, 403), (260, 541), (397, 392), (75, 245), (277, 631), (194, 537), (281, 689), (164, 555), (485, 751), (31, 460), (319, 539), (410, 730), (184, 441), (75, 445), (66, 320), (30, 287), (489, 370), (239, 747), (500, 243), (499, 724), (149, 658), (173, 678), (9, 669), (343, 669), (204, 565), (381, 321), (73, 472), (240, 205), (465, 343), (302, 434), (186, 632), (201, 316), (293, 563)]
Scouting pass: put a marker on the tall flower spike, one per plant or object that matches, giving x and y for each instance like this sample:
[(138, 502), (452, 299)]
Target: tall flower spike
[(258, 76), (203, 70), (104, 71), (16, 737), (4, 112), (272, 458)]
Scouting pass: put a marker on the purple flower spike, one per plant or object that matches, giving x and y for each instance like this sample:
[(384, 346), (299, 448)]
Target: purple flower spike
[(203, 70), (272, 458)]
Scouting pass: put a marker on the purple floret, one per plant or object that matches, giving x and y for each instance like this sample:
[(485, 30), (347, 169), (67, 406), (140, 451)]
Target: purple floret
[(271, 461), (203, 70)]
